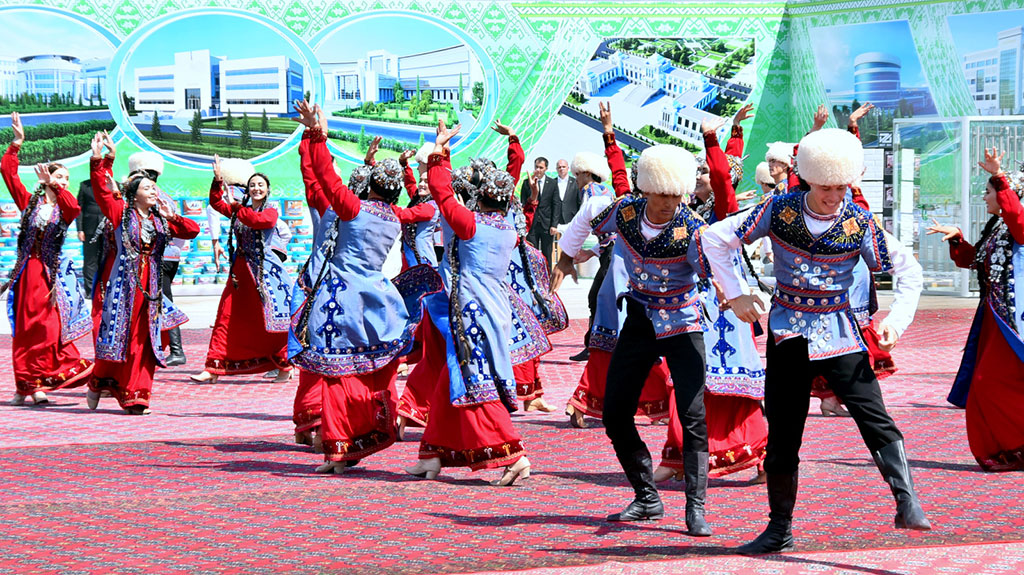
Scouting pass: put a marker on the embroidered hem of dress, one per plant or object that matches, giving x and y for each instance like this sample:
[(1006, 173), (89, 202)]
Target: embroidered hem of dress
[(367, 444), (593, 406), (306, 420), (73, 377), (720, 463), (412, 414), (1008, 460), (245, 366), (486, 457)]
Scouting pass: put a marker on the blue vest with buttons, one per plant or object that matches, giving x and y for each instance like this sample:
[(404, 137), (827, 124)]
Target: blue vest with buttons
[(815, 275), (663, 271)]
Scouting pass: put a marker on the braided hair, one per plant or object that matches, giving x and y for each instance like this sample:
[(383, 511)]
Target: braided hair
[(134, 251), (50, 255), (254, 256)]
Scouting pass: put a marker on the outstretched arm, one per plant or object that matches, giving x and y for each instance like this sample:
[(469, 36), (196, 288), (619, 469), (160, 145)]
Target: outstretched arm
[(314, 193), (516, 155), (718, 167)]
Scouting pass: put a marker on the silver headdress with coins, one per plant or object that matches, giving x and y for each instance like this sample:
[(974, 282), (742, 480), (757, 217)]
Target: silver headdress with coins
[(359, 180)]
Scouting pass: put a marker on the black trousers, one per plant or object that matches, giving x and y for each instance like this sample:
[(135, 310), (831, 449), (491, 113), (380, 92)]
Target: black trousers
[(90, 262), (787, 394), (544, 242), (170, 269), (635, 354), (595, 288)]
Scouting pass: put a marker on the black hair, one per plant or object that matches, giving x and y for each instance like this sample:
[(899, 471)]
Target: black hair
[(491, 203), (130, 190), (52, 257), (249, 181), (389, 196), (542, 159), (257, 238), (979, 252)]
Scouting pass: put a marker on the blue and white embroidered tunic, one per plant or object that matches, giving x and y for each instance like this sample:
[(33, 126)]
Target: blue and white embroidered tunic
[(418, 240), (815, 258)]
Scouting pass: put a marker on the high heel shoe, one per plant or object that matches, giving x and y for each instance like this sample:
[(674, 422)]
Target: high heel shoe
[(39, 398), (518, 470), (831, 406), (204, 377), (283, 376), (426, 468), (19, 399), (576, 418), (336, 467), (663, 474), (400, 423), (318, 442), (303, 438), (92, 399), (538, 404)]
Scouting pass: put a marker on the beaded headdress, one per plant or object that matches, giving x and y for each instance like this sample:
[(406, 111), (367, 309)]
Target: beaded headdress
[(359, 179), (387, 175)]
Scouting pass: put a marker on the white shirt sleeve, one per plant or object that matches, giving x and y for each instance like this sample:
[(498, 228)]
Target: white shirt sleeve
[(720, 242), (908, 281), (579, 228), (213, 219)]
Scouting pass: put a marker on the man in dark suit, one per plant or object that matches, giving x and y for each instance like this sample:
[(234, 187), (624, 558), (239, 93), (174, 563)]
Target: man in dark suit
[(566, 202), (539, 235), (87, 222)]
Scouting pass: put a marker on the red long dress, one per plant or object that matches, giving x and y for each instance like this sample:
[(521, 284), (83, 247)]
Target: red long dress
[(131, 381), (41, 361), (100, 175), (477, 436), (995, 401), (588, 397), (308, 405), (358, 411), (414, 404), (240, 342), (528, 383)]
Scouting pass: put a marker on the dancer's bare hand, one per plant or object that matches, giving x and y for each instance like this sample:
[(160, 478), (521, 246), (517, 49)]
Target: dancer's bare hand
[(747, 308), (605, 111), (860, 113), (563, 268), (993, 161), (19, 130), (216, 168), (502, 129), (820, 118), (307, 114), (744, 113), (948, 232), (887, 337)]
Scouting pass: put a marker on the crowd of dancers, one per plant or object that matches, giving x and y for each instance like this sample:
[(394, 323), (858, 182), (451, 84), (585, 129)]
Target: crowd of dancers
[(675, 313)]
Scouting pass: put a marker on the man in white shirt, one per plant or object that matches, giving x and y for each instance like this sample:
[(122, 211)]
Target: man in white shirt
[(820, 237)]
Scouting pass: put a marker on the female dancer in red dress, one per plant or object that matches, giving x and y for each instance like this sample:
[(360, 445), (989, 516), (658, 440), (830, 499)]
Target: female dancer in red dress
[(993, 381), (46, 305), (251, 333), (135, 311)]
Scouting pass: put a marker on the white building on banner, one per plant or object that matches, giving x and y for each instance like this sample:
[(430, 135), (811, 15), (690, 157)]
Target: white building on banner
[(44, 75), (441, 72), (215, 85), (994, 75)]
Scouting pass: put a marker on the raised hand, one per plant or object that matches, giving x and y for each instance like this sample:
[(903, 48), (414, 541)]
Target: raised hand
[(948, 232), (502, 129), (108, 143), (97, 145), (165, 209), (216, 167), (605, 109), (993, 161), (307, 114), (820, 118), (321, 118), (707, 125), (743, 114), (404, 158), (43, 174), (860, 113), (444, 134), (19, 130), (534, 190), (372, 151)]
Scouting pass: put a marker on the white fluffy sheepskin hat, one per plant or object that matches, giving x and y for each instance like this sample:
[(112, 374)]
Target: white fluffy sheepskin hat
[(236, 171), (763, 174), (423, 154), (780, 151), (830, 157), (589, 162), (150, 161), (666, 170)]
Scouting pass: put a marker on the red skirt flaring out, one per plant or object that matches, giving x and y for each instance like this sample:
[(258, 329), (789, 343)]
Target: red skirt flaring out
[(41, 362), (131, 381), (240, 342), (477, 436), (358, 416), (528, 384), (995, 402), (737, 434), (308, 402), (589, 394), (414, 405)]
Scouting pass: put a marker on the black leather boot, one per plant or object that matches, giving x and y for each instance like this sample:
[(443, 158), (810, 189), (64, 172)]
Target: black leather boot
[(177, 355), (647, 503), (695, 472), (778, 536), (892, 462)]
